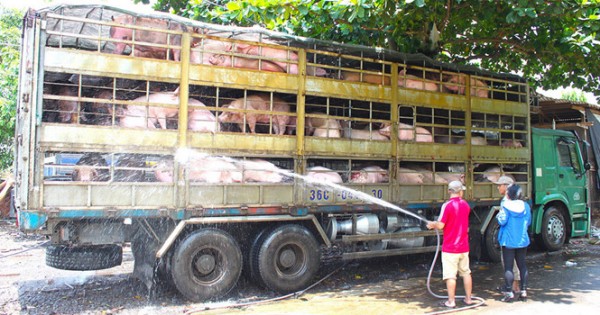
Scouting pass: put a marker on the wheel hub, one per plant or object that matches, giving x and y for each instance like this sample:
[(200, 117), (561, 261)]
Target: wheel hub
[(287, 258), (556, 228), (205, 264)]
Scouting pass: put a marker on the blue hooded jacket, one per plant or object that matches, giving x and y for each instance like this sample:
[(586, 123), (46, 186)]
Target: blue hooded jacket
[(514, 219)]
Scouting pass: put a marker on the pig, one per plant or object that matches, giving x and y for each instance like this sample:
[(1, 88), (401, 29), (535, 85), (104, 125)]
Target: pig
[(89, 168), (324, 127), (323, 174), (457, 84), (291, 127), (206, 51), (243, 63), (261, 171), (163, 171), (68, 109), (492, 174), (413, 82), (406, 132), (409, 176), (364, 134), (283, 58), (366, 77), (512, 143), (370, 174), (160, 38), (449, 177), (139, 116), (258, 102), (474, 141), (213, 170), (103, 113), (428, 176), (201, 119)]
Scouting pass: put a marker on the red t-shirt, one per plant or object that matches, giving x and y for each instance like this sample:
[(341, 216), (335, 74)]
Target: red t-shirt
[(455, 215)]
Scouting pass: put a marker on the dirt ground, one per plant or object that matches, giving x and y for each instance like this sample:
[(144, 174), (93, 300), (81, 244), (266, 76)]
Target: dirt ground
[(28, 286)]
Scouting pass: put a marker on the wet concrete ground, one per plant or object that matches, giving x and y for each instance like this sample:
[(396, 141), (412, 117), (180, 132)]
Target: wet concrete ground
[(378, 286)]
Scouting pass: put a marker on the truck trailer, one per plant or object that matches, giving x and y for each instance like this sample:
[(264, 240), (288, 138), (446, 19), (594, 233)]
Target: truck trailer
[(215, 151)]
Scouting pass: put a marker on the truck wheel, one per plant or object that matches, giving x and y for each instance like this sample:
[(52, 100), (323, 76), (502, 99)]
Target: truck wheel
[(89, 257), (554, 230), (287, 259), (492, 247), (250, 267), (206, 264)]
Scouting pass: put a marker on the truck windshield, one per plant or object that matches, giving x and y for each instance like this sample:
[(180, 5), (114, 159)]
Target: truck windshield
[(567, 154)]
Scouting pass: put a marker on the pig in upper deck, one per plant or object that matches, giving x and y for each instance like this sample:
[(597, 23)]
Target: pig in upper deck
[(260, 102), (147, 36)]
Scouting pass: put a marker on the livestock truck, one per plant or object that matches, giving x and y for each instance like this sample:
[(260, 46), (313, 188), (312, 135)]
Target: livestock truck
[(214, 150)]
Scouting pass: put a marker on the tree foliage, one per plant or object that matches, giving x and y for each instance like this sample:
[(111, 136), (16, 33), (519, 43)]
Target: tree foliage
[(10, 34), (551, 43), (573, 95)]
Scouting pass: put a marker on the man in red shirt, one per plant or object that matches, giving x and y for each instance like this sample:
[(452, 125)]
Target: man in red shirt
[(454, 221)]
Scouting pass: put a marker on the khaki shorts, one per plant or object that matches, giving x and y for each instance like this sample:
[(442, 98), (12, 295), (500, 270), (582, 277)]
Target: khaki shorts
[(455, 263)]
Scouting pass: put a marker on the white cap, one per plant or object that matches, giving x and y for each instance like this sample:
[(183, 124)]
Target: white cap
[(456, 186), (504, 180)]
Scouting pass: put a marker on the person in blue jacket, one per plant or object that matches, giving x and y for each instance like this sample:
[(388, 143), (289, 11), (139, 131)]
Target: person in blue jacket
[(514, 219)]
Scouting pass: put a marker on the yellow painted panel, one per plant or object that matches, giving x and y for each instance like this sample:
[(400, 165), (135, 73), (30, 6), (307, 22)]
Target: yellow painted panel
[(240, 142), (154, 195), (65, 195), (499, 153), (240, 78), (346, 147), (348, 90), (117, 195), (281, 194), (88, 62), (94, 135), (206, 195), (431, 151)]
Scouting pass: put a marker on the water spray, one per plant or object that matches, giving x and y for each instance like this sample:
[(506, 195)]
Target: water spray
[(183, 156)]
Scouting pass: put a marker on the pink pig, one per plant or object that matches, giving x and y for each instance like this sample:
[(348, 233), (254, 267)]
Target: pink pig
[(258, 102), (138, 116), (324, 127), (213, 170), (413, 82), (261, 171), (370, 174), (160, 38), (323, 174), (407, 133), (201, 119), (457, 85)]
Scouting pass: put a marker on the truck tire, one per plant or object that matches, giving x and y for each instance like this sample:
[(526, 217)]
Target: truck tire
[(554, 230), (492, 247), (89, 257), (287, 259), (206, 264)]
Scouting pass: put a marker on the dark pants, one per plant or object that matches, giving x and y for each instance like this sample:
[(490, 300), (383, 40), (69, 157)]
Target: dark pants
[(510, 255)]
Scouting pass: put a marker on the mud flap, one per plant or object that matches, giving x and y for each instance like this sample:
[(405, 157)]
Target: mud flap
[(145, 242)]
